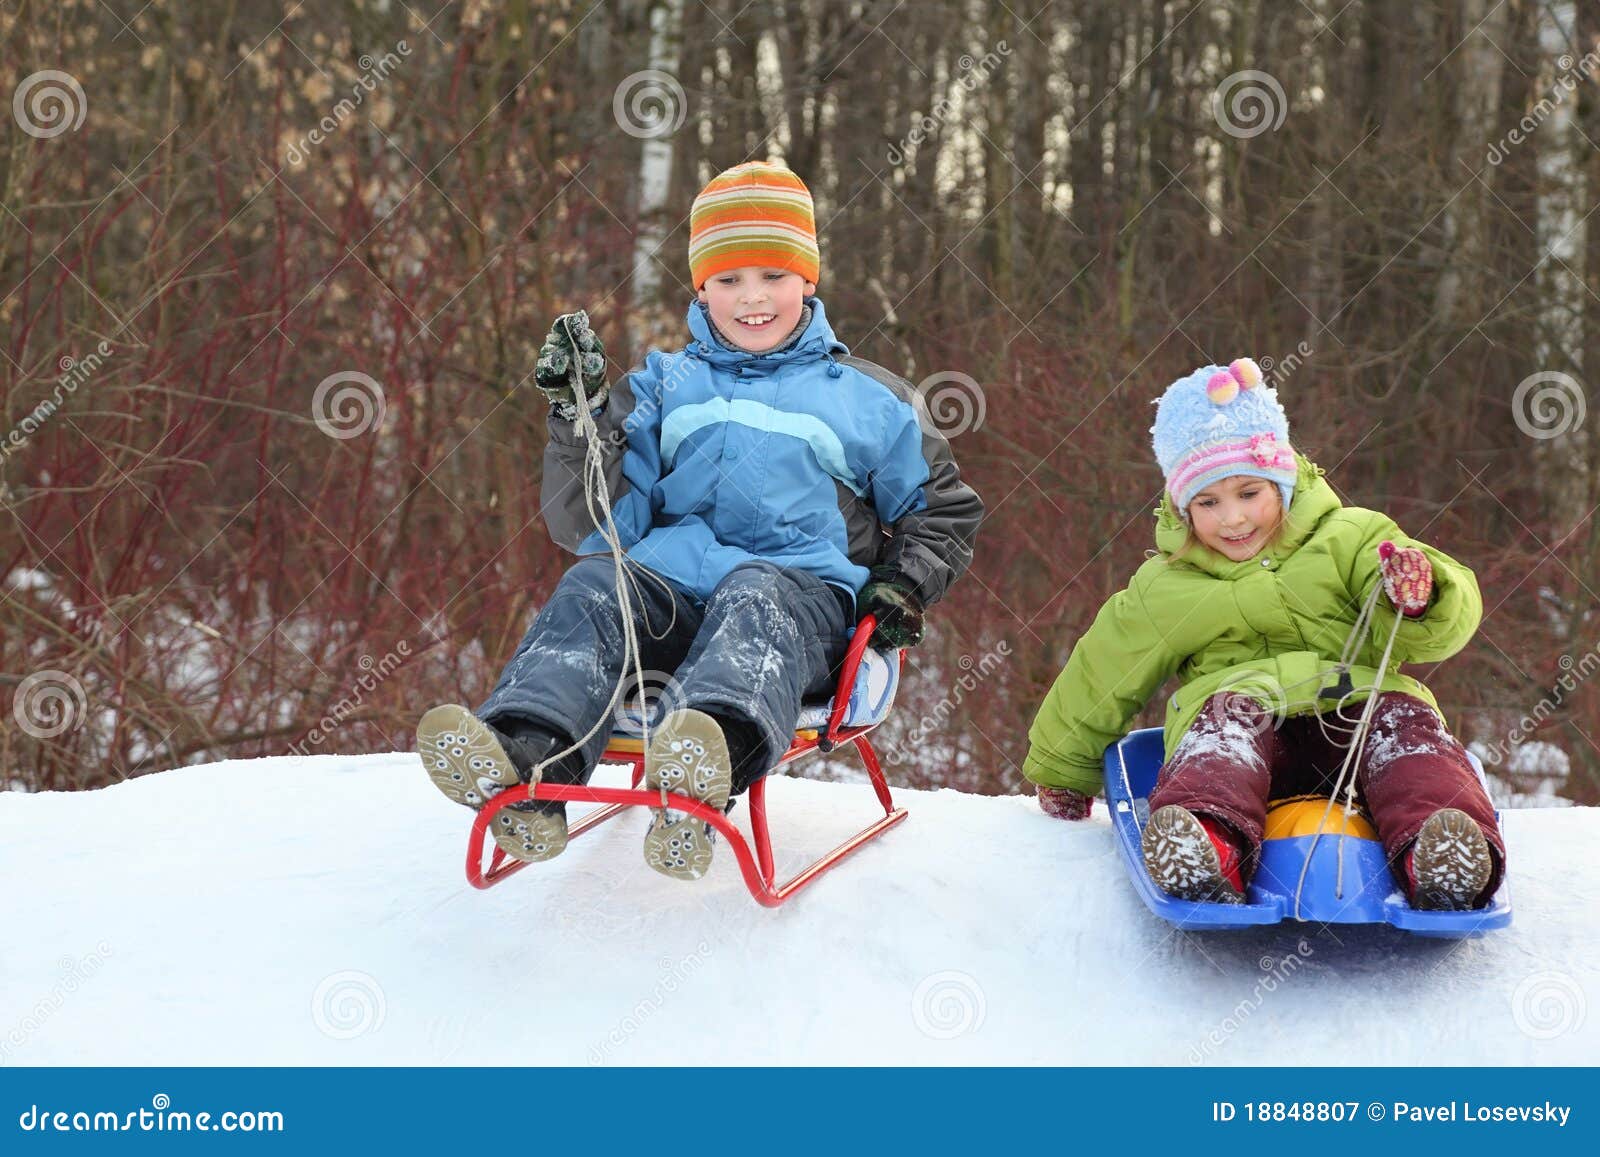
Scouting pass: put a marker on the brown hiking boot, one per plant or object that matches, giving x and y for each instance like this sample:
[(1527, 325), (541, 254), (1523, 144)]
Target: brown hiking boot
[(1187, 860), (1449, 864)]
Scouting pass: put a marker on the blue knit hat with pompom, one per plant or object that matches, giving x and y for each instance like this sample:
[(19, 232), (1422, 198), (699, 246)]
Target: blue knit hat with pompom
[(1218, 422)]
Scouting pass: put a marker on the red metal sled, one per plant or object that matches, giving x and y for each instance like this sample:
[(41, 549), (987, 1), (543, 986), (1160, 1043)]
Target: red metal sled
[(759, 872)]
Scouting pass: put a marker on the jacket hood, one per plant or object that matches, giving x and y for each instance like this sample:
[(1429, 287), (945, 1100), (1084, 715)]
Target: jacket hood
[(816, 342), (1313, 501)]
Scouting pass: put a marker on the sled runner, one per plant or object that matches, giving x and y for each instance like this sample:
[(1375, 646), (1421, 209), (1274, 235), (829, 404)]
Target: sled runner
[(865, 692), (1367, 893)]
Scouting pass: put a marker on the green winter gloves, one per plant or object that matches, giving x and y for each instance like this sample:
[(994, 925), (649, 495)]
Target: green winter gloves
[(571, 341), (899, 612)]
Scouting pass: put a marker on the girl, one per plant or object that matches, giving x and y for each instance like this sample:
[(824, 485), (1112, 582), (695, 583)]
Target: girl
[(1260, 577)]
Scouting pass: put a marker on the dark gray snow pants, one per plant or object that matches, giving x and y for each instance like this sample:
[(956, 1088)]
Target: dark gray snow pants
[(766, 638)]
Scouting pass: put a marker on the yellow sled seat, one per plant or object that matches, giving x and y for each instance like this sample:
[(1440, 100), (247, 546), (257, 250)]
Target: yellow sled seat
[(1303, 815)]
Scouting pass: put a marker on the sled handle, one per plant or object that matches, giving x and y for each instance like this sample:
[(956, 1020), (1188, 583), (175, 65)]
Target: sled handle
[(847, 681)]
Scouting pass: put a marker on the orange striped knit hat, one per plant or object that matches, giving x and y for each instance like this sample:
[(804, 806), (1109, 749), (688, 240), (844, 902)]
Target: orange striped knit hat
[(758, 213)]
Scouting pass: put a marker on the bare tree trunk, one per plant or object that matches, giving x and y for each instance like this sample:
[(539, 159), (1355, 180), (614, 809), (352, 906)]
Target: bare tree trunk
[(1027, 73), (1585, 173), (655, 164), (999, 174), (1477, 69)]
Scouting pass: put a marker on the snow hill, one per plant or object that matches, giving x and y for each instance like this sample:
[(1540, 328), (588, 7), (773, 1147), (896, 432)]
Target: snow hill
[(314, 911)]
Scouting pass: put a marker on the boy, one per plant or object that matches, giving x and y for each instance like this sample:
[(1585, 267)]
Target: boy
[(768, 489)]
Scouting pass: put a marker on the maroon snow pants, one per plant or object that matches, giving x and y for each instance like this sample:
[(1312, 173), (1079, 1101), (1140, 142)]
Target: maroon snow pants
[(1232, 760)]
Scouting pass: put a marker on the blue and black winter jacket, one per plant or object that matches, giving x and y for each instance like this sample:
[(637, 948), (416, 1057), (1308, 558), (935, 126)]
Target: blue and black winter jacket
[(802, 456)]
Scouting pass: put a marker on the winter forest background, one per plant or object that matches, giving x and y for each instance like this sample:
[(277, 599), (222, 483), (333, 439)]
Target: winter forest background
[(274, 275)]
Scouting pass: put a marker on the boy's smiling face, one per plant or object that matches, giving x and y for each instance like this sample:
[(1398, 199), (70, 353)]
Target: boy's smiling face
[(756, 306), (1235, 516)]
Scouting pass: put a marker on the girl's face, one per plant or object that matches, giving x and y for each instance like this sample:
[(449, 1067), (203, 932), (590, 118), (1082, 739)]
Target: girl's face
[(755, 306), (1236, 516)]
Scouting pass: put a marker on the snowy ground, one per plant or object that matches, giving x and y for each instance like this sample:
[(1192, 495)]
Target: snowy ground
[(314, 911)]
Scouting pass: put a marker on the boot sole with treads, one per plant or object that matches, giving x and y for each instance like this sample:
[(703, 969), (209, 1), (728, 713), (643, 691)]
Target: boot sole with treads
[(1451, 862), (687, 755), (1182, 859), (467, 763)]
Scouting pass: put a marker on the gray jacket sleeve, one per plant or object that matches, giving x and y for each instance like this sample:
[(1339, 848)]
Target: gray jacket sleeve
[(630, 446), (930, 547)]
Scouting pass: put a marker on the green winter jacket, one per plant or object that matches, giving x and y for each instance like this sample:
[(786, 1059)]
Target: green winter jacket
[(1271, 627)]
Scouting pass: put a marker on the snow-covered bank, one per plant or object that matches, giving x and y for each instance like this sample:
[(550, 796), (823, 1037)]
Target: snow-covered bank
[(314, 911)]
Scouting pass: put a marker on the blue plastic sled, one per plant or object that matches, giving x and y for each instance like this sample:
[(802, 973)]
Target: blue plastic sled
[(1371, 895)]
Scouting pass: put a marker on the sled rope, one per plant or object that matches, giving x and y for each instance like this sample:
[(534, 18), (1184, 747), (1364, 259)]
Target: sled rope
[(597, 492), (1346, 781), (1339, 671)]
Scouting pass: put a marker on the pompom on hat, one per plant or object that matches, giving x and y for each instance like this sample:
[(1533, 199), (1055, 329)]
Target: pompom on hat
[(758, 213), (1218, 422)]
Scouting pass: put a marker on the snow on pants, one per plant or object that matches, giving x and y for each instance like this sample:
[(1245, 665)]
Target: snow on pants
[(1232, 760), (766, 638)]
